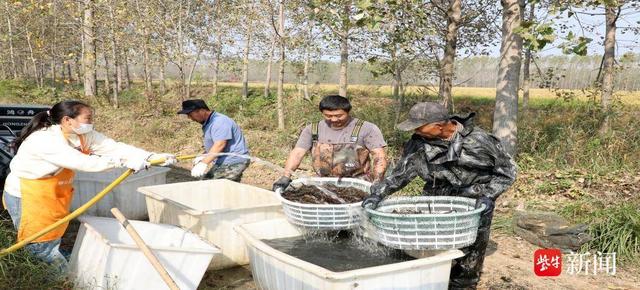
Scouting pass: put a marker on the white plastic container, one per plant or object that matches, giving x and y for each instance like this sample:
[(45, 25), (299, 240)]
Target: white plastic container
[(105, 256), (211, 208), (124, 196), (275, 270), (325, 216)]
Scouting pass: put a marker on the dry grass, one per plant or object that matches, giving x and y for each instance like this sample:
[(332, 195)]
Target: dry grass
[(632, 98)]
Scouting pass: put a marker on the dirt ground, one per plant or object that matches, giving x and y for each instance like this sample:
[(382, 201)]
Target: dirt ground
[(508, 265)]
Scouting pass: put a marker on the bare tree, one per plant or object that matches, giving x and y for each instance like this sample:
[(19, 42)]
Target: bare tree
[(281, 37), (451, 39), (505, 116), (338, 18), (612, 13), (267, 83), (12, 57), (89, 50), (245, 64), (114, 55), (526, 79)]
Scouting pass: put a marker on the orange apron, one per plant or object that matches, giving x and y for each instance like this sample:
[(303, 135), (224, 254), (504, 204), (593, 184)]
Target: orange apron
[(45, 201)]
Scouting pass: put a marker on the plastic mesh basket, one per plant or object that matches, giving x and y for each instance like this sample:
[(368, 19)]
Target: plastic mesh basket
[(325, 216), (438, 222)]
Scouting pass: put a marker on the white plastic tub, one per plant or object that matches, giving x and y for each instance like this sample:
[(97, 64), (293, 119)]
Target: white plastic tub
[(275, 270), (105, 256), (124, 196), (211, 208)]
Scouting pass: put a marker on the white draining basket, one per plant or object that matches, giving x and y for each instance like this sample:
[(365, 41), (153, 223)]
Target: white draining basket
[(325, 216), (452, 224)]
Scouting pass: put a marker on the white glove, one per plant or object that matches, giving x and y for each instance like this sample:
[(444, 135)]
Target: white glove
[(198, 159), (137, 164), (169, 159), (199, 170)]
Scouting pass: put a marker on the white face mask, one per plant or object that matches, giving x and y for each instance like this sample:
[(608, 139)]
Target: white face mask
[(83, 129)]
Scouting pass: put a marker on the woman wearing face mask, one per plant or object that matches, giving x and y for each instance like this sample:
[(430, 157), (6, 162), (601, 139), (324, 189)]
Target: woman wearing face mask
[(39, 189)]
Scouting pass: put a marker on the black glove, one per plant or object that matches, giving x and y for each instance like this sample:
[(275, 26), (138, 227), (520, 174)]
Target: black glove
[(488, 202), (372, 201), (377, 194), (281, 183), (474, 190)]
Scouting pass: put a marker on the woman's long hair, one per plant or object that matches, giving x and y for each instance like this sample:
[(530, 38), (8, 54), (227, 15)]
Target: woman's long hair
[(46, 119)]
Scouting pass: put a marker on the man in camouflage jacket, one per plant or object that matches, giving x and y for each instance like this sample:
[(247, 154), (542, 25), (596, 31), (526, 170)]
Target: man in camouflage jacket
[(454, 158)]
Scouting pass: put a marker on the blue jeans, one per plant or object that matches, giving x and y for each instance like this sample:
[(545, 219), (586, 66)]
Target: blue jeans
[(47, 251)]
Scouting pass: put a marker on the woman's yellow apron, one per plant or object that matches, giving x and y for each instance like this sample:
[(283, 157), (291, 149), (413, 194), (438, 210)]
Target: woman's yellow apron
[(45, 201)]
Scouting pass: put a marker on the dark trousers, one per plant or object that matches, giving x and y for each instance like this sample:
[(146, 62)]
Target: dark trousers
[(232, 172)]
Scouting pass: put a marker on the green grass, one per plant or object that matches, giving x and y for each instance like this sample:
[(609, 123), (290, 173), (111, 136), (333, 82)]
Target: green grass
[(502, 223), (20, 270), (615, 228)]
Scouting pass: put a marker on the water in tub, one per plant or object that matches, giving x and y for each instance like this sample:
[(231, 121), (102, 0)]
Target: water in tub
[(338, 251)]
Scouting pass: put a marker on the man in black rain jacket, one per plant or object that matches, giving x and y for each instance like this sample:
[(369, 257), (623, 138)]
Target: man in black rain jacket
[(454, 158)]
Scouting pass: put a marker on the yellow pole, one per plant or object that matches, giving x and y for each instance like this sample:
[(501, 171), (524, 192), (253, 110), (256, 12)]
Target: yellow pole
[(81, 209)]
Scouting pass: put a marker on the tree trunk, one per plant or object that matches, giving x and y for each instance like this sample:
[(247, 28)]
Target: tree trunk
[(89, 54), (52, 69), (193, 67), (181, 53), (107, 76), (395, 84), (245, 66), (33, 59), (398, 95), (163, 67), (611, 15), (216, 62), (54, 60), (526, 79), (127, 75), (344, 65), (299, 95), (69, 77), (267, 82), (12, 57), (344, 51), (118, 72), (63, 73), (305, 81), (216, 67), (114, 55), (3, 69), (280, 98), (42, 73), (451, 40), (148, 84), (78, 68), (505, 116), (116, 89)]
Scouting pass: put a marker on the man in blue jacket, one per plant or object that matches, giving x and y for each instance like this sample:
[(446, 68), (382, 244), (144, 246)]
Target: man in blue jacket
[(221, 135)]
